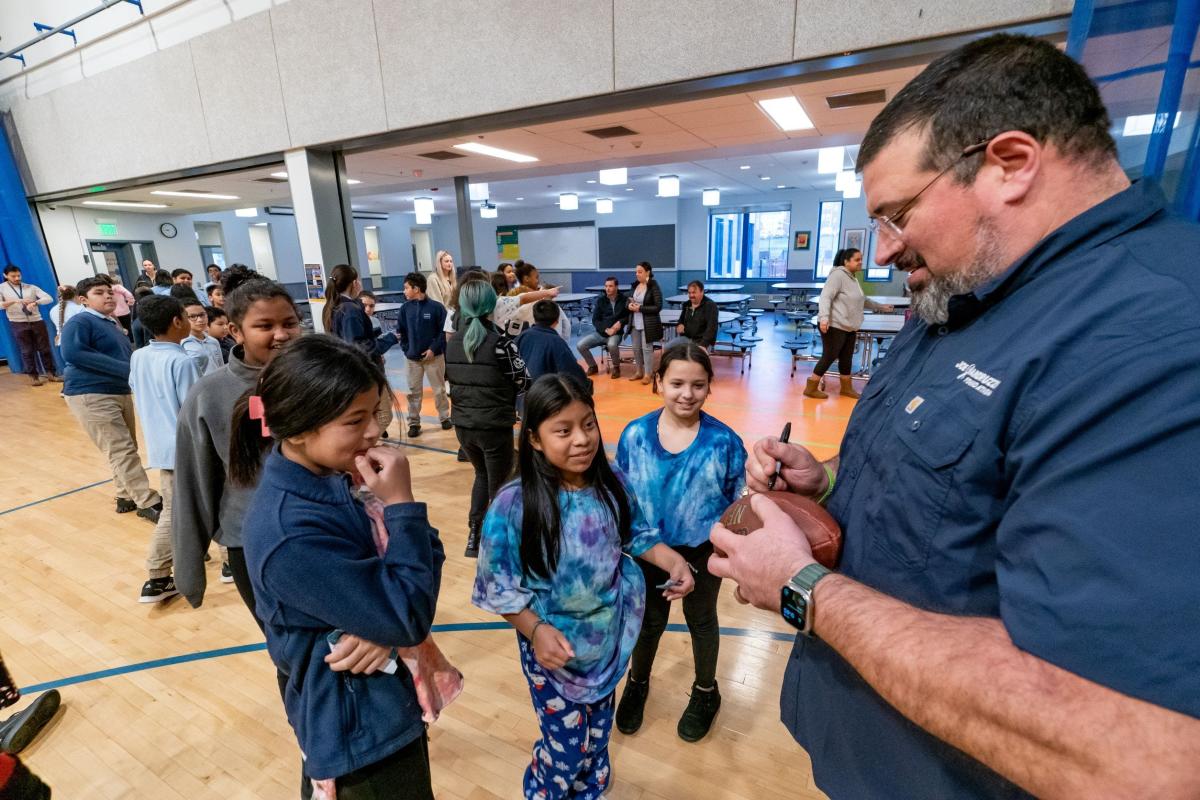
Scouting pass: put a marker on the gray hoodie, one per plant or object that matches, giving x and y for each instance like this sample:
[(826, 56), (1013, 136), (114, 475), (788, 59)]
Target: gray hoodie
[(205, 505)]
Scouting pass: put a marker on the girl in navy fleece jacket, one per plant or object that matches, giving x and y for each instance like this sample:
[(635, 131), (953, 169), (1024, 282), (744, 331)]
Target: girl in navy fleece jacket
[(316, 570)]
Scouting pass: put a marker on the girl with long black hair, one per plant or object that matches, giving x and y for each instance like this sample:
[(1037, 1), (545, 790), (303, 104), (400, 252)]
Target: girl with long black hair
[(556, 561)]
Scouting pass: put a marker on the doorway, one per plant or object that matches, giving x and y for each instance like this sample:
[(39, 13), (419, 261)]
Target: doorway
[(261, 249), (121, 260), (212, 243), (374, 256), (422, 245)]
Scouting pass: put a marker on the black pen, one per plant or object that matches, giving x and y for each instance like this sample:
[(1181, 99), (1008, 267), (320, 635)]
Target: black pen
[(783, 439)]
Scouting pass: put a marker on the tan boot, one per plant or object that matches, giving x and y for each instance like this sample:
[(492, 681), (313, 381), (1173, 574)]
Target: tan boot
[(847, 389), (35, 380), (813, 388), (647, 380), (637, 376)]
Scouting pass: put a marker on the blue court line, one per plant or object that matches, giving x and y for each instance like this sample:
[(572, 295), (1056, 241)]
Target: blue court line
[(56, 496), (205, 655)]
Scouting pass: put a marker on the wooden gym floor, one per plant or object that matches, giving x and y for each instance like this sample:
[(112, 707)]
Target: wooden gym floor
[(166, 702)]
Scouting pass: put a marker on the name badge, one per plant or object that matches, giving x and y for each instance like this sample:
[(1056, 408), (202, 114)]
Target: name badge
[(914, 404)]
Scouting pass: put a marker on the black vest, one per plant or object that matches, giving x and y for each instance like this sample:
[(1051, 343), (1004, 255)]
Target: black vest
[(481, 395)]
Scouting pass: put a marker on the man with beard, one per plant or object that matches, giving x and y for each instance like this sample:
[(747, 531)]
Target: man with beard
[(1016, 607)]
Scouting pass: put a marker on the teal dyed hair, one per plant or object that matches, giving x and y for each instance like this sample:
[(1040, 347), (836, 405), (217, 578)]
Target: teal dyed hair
[(476, 299)]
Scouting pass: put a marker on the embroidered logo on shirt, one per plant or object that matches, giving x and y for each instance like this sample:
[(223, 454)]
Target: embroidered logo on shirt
[(977, 379), (914, 404)]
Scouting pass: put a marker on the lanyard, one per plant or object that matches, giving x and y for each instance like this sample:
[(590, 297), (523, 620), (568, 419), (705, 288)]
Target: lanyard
[(20, 290)]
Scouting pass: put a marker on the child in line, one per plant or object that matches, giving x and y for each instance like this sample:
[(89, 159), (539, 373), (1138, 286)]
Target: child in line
[(421, 337), (141, 336), (96, 385), (218, 328), (68, 306), (362, 735), (345, 318), (216, 295), (553, 563), (542, 348), (161, 374), (203, 349), (686, 468)]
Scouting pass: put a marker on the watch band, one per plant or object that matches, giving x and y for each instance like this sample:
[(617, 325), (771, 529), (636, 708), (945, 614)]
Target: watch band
[(796, 602)]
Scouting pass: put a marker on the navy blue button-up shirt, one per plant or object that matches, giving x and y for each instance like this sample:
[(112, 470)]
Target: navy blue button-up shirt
[(1036, 459)]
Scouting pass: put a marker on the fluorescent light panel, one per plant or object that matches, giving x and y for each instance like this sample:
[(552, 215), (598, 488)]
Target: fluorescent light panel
[(853, 191), (668, 186), (282, 175), (478, 191), (122, 204), (353, 181), (787, 113), (197, 195), (246, 212), (604, 205), (494, 152), (617, 176), (568, 201), (830, 160), (710, 197), (844, 179)]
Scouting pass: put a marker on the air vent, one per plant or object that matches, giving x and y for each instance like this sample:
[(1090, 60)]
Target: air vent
[(441, 155), (270, 180), (614, 132), (873, 97)]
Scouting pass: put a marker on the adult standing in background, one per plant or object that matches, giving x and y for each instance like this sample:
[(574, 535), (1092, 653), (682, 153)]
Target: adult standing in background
[(20, 302), (839, 317), (441, 282), (645, 301), (1016, 605), (147, 275), (214, 276), (699, 317)]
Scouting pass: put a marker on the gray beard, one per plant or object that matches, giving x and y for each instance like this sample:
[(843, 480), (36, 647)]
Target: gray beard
[(932, 302)]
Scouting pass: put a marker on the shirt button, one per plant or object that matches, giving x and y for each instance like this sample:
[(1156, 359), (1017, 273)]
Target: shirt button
[(888, 402), (916, 424)]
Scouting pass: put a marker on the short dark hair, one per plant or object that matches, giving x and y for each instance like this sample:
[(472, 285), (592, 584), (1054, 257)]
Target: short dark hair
[(545, 312), (215, 314), (416, 280), (212, 266), (698, 284), (11, 268), (157, 311), (87, 284), (188, 302), (161, 278), (248, 291), (995, 84), (612, 278), (367, 293), (181, 292), (141, 291), (175, 273), (211, 288)]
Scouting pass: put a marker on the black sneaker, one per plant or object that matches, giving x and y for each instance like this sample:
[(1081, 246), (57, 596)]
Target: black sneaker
[(472, 550), (18, 731), (226, 573), (125, 506), (414, 431), (698, 716), (151, 512), (447, 424), (633, 703), (156, 590), (462, 456)]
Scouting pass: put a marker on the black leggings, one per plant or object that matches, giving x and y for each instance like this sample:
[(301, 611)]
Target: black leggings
[(699, 609), (490, 451), (404, 775), (837, 344)]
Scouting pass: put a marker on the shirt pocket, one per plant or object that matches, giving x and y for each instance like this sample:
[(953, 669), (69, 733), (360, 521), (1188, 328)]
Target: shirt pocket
[(928, 445)]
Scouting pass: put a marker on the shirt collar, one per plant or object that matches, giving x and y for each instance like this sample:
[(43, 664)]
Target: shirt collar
[(1099, 224), (95, 313)]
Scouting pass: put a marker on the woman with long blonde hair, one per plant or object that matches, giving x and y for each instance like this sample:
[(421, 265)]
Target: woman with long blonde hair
[(443, 280)]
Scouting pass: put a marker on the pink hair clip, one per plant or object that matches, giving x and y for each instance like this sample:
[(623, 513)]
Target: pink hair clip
[(257, 412)]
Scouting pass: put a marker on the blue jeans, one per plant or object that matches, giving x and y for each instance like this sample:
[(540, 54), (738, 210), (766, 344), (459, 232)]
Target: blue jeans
[(596, 339)]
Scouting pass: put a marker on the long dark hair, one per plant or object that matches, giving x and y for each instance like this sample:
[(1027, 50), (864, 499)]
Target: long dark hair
[(308, 385), (541, 524), (845, 254), (341, 279)]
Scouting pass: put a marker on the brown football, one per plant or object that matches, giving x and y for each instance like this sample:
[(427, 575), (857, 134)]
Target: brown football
[(823, 532)]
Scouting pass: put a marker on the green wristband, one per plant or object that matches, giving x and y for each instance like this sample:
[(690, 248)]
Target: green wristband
[(829, 489)]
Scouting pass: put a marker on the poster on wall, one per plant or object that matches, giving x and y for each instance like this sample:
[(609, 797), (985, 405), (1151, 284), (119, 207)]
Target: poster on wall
[(506, 244), (855, 239), (314, 279)]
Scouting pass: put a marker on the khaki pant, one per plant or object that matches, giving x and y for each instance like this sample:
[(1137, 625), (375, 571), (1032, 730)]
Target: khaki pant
[(159, 557), (435, 370), (108, 421), (383, 414)]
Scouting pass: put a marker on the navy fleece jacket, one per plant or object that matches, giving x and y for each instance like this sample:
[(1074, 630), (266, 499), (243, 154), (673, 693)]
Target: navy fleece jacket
[(97, 353), (315, 568)]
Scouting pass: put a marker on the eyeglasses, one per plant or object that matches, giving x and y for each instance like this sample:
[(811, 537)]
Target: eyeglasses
[(197, 316), (889, 222)]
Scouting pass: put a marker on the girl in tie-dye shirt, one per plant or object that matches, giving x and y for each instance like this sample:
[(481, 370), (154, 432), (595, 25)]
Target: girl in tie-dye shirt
[(555, 560), (686, 468)]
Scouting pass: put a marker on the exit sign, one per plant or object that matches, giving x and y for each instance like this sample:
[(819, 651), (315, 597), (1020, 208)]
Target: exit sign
[(107, 228)]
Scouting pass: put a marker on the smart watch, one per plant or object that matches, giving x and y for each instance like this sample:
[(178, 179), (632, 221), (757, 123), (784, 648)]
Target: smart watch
[(796, 603)]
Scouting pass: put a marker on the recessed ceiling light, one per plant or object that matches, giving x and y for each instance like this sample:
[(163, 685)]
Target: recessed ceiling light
[(279, 175), (710, 197), (246, 212), (604, 205), (764, 177), (668, 186), (744, 166), (830, 160), (589, 180), (122, 204), (352, 181), (787, 113), (568, 201), (520, 198), (629, 188), (494, 152), (197, 195), (780, 186)]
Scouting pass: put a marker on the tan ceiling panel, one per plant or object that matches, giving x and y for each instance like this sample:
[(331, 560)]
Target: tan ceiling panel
[(747, 112), (598, 121), (723, 101)]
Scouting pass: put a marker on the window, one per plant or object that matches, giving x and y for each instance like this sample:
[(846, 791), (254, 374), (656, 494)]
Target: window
[(829, 233), (876, 274), (748, 244)]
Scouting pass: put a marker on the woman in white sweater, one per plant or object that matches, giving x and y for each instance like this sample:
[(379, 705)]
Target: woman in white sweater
[(442, 280), (839, 316)]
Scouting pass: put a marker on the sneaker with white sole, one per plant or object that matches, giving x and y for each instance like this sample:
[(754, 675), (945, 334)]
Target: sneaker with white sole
[(156, 590), (226, 573)]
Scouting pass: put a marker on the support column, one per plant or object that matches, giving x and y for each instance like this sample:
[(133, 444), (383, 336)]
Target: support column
[(466, 233), (324, 220)]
